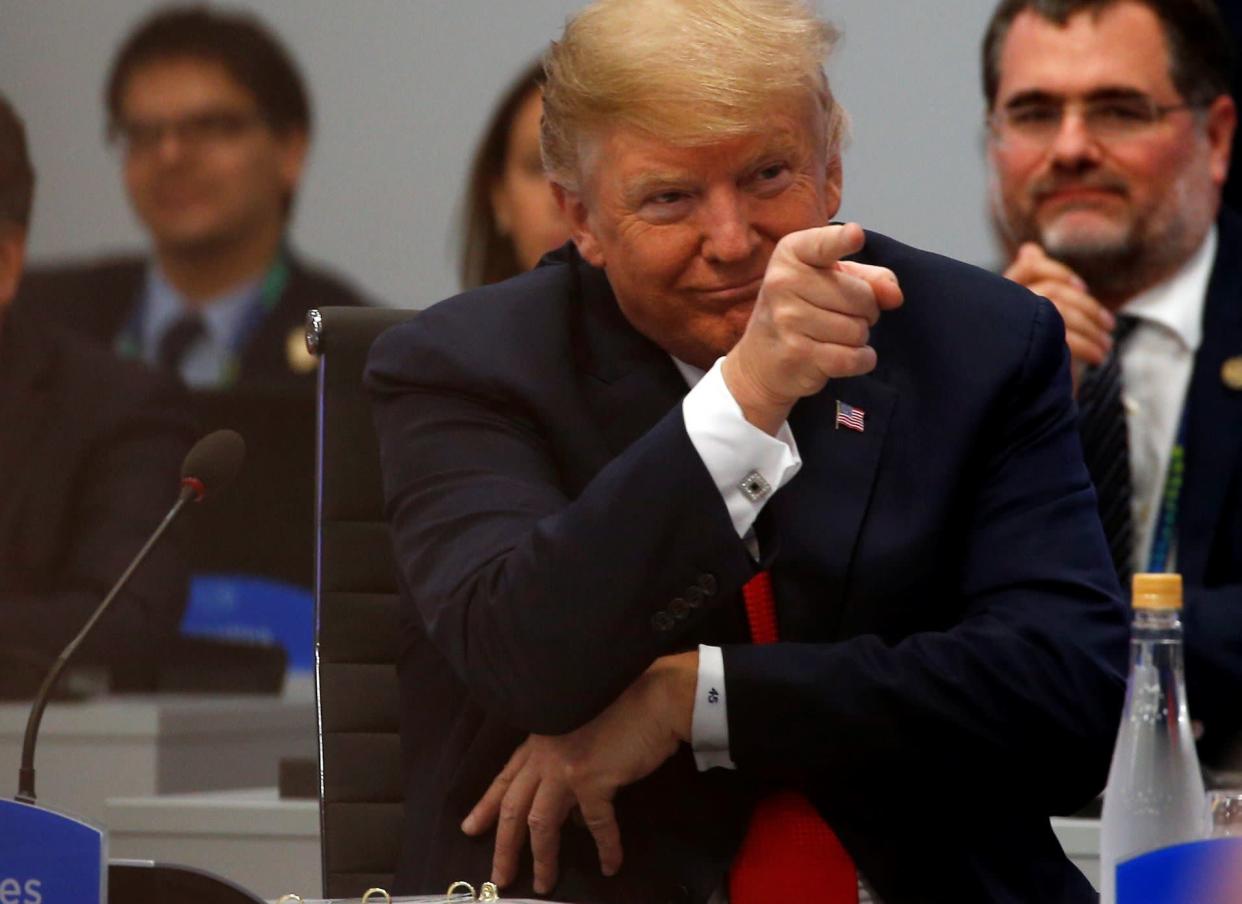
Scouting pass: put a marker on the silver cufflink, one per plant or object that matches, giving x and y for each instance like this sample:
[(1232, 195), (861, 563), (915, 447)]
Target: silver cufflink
[(754, 487)]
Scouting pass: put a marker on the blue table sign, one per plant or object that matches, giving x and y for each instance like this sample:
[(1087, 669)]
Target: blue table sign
[(252, 608), (47, 857), (1198, 872)]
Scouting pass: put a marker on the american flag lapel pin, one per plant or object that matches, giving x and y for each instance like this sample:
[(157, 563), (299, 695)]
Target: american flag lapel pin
[(849, 417)]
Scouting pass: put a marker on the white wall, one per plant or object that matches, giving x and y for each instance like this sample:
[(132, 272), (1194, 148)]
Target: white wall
[(401, 89)]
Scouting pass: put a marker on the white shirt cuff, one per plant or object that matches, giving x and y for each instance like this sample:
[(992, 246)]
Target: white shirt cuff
[(746, 464), (709, 723)]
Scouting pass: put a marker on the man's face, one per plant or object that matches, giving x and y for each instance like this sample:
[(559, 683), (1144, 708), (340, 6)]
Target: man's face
[(202, 167), (1145, 198), (685, 233)]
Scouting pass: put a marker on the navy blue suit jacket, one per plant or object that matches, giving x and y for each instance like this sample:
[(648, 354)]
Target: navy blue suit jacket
[(1209, 537), (955, 664)]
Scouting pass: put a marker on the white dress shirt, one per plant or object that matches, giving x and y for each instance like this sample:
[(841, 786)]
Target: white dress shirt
[(205, 362), (1156, 364), (739, 457)]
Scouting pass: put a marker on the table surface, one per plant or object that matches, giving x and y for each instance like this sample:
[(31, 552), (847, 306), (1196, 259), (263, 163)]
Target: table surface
[(168, 715), (244, 811)]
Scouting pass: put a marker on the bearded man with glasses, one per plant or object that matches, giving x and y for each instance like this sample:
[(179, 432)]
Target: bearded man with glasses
[(1109, 133)]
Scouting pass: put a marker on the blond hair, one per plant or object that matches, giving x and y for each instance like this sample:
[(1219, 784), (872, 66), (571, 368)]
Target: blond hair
[(689, 72)]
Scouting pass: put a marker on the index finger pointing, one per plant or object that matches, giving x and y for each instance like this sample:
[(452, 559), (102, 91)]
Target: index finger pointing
[(824, 246)]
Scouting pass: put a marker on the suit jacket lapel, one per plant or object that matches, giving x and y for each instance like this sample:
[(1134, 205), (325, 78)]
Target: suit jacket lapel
[(112, 299), (1213, 410), (631, 381), (267, 353), (828, 500)]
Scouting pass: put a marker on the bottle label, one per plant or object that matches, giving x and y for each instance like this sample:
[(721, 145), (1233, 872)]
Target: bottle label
[(1198, 872)]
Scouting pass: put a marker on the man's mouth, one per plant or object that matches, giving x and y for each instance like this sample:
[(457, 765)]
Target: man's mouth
[(1077, 195), (732, 293), (1087, 193), (177, 196)]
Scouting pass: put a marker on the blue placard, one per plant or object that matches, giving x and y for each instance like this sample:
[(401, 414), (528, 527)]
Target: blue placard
[(46, 857), (250, 608), (1198, 872)]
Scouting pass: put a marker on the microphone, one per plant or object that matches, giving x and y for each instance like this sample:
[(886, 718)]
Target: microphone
[(212, 464), (208, 467)]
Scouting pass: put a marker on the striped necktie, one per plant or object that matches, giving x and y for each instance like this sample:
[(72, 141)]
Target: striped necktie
[(1106, 449), (789, 852)]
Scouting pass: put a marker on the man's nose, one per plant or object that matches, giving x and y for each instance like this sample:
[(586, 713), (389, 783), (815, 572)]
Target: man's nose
[(1074, 145), (169, 147), (729, 235)]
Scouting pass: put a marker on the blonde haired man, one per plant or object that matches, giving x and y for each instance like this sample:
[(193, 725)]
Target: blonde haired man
[(876, 461)]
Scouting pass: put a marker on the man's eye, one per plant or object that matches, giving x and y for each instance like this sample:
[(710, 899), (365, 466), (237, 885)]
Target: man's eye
[(772, 171), (1035, 114), (141, 135), (222, 124), (665, 206), (1120, 112)]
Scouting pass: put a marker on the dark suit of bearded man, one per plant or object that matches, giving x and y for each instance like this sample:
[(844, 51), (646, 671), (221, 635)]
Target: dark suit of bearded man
[(1209, 531)]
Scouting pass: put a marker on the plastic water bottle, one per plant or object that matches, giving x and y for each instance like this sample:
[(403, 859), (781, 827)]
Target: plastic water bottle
[(1154, 796)]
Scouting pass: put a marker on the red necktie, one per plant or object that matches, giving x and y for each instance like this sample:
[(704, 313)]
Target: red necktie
[(789, 853)]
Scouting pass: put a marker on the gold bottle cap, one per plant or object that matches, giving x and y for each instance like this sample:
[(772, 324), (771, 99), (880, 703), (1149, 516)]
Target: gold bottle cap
[(1157, 591)]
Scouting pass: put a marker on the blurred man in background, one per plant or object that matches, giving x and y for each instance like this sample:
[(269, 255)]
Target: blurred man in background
[(212, 122), (90, 450), (1110, 133)]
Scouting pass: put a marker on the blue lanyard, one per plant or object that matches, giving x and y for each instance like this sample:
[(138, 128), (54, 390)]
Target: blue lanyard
[(129, 341), (1164, 539)]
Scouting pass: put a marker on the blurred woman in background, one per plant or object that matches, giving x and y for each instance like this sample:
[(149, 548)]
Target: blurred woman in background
[(511, 218)]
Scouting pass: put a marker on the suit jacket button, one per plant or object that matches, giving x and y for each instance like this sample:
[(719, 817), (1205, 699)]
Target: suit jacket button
[(679, 608), (695, 596), (662, 621), (708, 583)]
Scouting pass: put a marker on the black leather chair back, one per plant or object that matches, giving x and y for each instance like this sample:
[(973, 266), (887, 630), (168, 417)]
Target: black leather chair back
[(356, 636)]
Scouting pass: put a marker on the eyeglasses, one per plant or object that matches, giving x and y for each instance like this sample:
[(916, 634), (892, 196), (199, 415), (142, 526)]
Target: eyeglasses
[(140, 136), (1108, 119)]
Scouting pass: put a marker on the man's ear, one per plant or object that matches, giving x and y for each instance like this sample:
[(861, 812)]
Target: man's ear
[(1220, 123), (294, 146), (576, 214), (834, 177), (12, 261)]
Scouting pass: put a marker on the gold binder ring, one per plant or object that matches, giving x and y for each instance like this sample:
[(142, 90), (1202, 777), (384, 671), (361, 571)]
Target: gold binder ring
[(453, 889), (488, 892), (289, 899), (366, 895)]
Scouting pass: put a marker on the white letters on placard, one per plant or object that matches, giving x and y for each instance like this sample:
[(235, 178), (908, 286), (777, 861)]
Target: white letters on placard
[(12, 891)]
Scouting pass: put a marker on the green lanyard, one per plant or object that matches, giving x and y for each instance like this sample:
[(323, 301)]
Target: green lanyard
[(1164, 538)]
